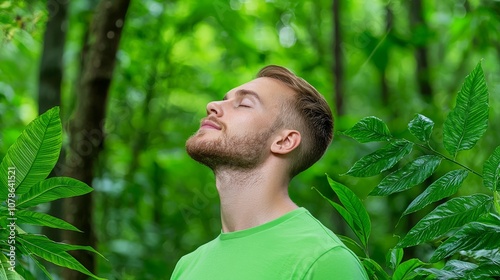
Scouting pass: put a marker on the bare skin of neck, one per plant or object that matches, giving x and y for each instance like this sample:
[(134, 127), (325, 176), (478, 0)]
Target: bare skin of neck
[(252, 197)]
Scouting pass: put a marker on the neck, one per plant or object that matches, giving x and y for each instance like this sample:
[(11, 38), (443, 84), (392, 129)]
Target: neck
[(251, 197)]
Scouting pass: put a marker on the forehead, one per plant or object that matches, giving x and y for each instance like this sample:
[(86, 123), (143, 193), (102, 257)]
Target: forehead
[(269, 91)]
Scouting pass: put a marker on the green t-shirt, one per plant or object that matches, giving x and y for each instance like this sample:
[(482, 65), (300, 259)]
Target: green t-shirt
[(294, 246)]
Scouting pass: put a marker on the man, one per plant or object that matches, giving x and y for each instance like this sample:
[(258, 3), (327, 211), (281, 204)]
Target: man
[(256, 140)]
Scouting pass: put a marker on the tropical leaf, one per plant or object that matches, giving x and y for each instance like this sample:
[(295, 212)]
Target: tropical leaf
[(354, 206), (42, 219), (406, 269), (394, 257), (491, 171), (42, 268), (374, 270), (454, 269), (381, 159), (468, 121), (5, 272), (449, 215), (53, 252), (52, 189), (490, 271), (369, 129), (410, 175), (34, 154), (443, 187), (342, 211), (472, 236), (421, 127)]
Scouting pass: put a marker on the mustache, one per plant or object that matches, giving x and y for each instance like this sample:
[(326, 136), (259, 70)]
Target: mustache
[(214, 120)]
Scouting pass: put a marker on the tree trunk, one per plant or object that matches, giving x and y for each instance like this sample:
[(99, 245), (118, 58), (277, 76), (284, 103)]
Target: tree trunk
[(384, 84), (338, 64), (418, 23), (49, 88), (86, 127)]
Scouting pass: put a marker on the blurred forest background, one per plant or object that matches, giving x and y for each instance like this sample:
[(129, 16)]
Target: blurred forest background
[(133, 79)]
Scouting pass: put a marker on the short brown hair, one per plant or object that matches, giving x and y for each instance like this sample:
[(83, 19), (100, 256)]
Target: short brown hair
[(308, 112)]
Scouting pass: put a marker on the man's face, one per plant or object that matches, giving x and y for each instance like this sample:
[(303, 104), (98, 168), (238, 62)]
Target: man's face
[(238, 130)]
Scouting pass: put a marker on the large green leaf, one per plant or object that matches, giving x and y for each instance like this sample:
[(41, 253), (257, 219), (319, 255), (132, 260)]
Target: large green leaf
[(34, 154), (381, 159), (53, 252), (491, 171), (354, 206), (472, 236), (407, 269), (52, 189), (468, 121), (421, 127), (369, 129), (410, 175), (452, 214), (443, 187), (42, 219)]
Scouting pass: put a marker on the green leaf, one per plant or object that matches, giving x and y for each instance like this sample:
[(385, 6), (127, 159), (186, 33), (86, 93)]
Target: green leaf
[(369, 129), (472, 236), (381, 159), (374, 270), (34, 154), (42, 219), (52, 252), (452, 214), (52, 189), (342, 211), (410, 175), (421, 127), (5, 272), (443, 187), (354, 206), (454, 269), (25, 272), (406, 269), (483, 272), (468, 121), (394, 257), (491, 171)]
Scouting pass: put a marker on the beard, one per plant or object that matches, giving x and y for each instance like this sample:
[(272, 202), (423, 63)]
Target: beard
[(235, 152)]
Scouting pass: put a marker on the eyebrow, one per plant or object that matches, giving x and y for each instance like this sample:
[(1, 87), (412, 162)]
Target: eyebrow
[(243, 92)]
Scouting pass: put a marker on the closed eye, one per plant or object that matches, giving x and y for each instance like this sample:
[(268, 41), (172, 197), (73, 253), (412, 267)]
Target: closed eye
[(246, 103)]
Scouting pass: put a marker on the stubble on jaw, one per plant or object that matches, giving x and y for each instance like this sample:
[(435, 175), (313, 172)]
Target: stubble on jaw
[(235, 152)]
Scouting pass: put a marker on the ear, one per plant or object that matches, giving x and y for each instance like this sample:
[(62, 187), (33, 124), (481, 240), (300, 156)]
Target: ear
[(286, 141)]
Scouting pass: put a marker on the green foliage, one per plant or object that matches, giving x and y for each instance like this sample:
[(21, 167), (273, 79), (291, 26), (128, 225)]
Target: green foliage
[(460, 225), (468, 121), (24, 169)]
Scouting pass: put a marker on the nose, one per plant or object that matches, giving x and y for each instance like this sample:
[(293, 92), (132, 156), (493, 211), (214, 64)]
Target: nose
[(215, 108)]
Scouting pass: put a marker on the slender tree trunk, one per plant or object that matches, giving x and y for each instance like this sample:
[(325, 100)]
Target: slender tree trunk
[(384, 84), (338, 63), (49, 89), (86, 126), (417, 22)]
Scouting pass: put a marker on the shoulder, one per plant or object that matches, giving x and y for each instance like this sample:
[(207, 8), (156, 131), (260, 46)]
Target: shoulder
[(336, 263)]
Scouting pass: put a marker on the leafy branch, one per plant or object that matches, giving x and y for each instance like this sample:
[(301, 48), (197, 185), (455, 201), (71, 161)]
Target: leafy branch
[(466, 226), (23, 173)]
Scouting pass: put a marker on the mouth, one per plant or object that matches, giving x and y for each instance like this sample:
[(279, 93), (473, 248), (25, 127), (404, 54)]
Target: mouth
[(207, 124)]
